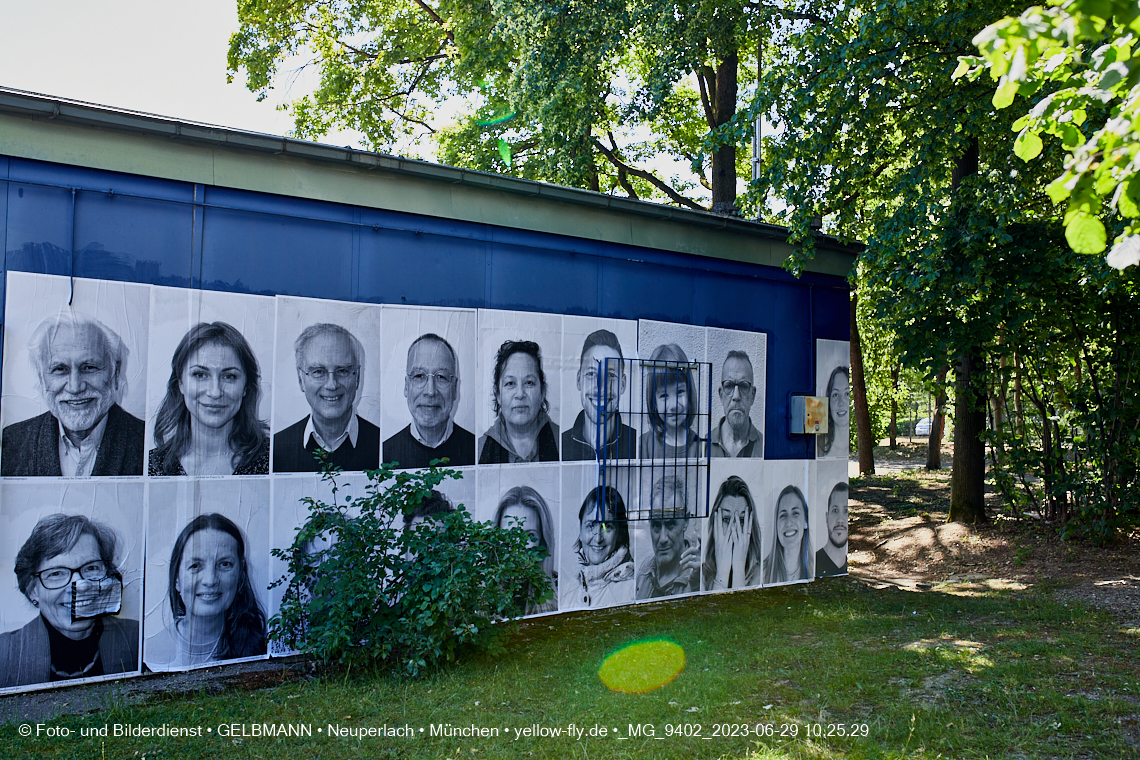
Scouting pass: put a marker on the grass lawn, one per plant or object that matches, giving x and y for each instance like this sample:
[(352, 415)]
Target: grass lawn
[(953, 672)]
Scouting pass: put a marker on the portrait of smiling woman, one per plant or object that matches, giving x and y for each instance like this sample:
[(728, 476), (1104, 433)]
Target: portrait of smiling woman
[(208, 423), (790, 558), (605, 571), (834, 442), (214, 612), (523, 430), (67, 570)]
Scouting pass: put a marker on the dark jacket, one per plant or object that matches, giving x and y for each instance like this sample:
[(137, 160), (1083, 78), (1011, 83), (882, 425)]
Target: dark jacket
[(577, 443), (291, 454), (31, 447), (494, 447), (25, 654), (403, 448)]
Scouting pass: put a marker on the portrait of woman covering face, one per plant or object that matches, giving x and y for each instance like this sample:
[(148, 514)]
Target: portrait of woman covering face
[(790, 558), (523, 507), (734, 551), (67, 570), (605, 564), (522, 431), (208, 422), (838, 415), (671, 402), (215, 614)]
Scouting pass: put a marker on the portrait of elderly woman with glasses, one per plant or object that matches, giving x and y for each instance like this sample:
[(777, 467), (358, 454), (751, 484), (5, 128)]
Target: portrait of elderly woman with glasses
[(330, 364), (66, 570), (431, 388)]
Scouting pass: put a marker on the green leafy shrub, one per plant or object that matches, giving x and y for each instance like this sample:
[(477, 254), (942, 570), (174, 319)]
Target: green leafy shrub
[(362, 590)]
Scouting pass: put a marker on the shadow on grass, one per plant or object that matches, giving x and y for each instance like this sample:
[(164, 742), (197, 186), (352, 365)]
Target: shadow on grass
[(789, 672)]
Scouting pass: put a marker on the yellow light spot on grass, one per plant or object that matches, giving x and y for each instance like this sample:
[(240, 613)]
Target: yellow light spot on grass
[(642, 667)]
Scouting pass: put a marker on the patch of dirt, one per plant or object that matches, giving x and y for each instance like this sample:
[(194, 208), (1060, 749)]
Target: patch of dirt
[(899, 536)]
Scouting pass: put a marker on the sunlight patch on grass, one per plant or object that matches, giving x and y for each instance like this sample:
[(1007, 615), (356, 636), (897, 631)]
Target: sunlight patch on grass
[(643, 666)]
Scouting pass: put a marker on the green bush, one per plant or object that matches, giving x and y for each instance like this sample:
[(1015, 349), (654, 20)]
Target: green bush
[(361, 590)]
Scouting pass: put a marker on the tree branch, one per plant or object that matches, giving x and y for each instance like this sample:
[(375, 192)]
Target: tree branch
[(710, 117), (622, 174), (435, 17), (647, 176), (788, 14)]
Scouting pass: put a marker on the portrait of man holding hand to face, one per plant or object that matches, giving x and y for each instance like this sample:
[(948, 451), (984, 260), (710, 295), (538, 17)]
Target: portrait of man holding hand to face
[(330, 363), (80, 367), (675, 567), (431, 387), (735, 435)]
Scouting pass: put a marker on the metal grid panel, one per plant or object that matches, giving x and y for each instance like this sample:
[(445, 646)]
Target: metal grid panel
[(673, 410)]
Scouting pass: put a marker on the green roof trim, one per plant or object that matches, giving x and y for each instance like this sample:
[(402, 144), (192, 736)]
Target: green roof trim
[(81, 134)]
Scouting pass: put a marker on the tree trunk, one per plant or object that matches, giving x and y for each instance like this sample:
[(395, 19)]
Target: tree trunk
[(863, 440), (968, 475), (968, 472), (895, 405), (937, 425), (724, 157), (998, 402)]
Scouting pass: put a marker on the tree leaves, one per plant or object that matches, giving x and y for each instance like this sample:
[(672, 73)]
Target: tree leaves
[(1048, 46), (1027, 146), (1085, 233), (551, 79)]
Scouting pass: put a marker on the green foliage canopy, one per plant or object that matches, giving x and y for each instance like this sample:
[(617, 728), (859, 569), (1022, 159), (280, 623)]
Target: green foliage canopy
[(873, 130), (610, 95), (1075, 57)]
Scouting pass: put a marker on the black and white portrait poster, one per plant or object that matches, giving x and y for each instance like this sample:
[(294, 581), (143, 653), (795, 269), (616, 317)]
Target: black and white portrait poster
[(833, 381), (328, 369), (520, 354), (673, 393), (739, 372), (829, 523), (587, 344), (290, 513), (82, 543), (596, 566), (668, 544), (785, 518), (210, 383), (735, 533), (207, 549), (74, 377), (528, 498), (431, 386)]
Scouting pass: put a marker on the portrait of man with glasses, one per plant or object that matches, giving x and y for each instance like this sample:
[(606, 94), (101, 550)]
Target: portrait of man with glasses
[(735, 435), (431, 388), (330, 364)]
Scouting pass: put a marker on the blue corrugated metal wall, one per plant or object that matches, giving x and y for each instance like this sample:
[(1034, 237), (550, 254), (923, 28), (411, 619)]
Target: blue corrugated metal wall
[(141, 229)]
